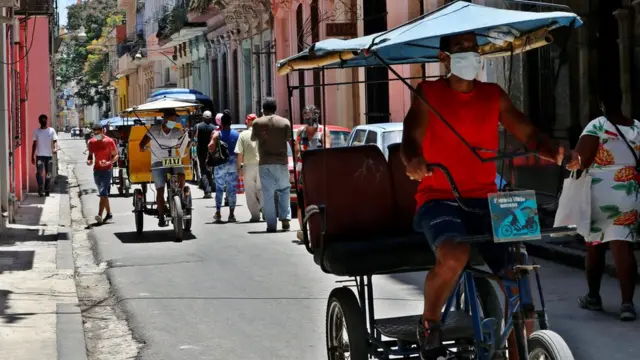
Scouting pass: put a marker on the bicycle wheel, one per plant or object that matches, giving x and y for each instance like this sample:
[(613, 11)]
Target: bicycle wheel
[(187, 209), (548, 345), (177, 218), (138, 210), (346, 329)]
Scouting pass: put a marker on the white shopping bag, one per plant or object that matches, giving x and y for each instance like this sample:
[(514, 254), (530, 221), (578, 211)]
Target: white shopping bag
[(574, 207)]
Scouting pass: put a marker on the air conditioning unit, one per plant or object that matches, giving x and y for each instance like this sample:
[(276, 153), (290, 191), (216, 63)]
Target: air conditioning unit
[(15, 4)]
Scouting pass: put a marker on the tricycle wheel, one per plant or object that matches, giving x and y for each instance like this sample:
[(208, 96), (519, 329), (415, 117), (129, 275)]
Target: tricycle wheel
[(177, 216), (187, 209), (346, 327), (548, 345), (491, 308), (138, 210)]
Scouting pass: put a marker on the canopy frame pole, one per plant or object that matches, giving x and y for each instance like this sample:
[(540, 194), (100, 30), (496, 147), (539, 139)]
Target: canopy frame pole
[(290, 90), (358, 81), (446, 123), (539, 3)]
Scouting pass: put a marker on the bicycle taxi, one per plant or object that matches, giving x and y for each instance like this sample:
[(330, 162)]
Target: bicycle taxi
[(359, 206), (139, 166)]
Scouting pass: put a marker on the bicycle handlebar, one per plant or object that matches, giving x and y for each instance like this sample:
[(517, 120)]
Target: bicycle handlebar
[(454, 187)]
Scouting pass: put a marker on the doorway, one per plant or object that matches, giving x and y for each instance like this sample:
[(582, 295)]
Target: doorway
[(376, 94)]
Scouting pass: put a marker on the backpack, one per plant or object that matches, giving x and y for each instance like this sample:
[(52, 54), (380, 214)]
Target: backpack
[(220, 154)]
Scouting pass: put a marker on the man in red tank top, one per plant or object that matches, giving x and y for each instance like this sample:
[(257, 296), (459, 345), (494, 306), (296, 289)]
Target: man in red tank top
[(475, 110)]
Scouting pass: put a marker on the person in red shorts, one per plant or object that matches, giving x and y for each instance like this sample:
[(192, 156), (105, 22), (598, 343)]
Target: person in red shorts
[(102, 155)]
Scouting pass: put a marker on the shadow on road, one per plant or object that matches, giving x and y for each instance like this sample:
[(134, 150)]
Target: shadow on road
[(266, 232), (155, 236)]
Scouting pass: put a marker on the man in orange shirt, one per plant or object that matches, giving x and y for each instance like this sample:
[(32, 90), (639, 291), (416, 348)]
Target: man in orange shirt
[(102, 155)]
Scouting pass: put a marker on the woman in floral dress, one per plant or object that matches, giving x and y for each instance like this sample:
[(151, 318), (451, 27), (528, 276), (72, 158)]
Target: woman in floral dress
[(614, 200)]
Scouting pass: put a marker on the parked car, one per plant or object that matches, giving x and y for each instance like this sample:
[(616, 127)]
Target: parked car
[(75, 132), (239, 127), (381, 135), (336, 136)]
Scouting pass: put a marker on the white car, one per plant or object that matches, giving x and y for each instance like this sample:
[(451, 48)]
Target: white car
[(382, 135)]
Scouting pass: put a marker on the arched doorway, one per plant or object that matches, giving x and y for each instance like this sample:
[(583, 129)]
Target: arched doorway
[(376, 94)]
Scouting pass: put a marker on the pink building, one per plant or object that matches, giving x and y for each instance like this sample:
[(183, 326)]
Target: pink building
[(304, 22), (29, 94)]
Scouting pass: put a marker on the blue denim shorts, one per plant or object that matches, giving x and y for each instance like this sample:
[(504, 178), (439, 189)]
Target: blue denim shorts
[(159, 176), (445, 219), (103, 181)]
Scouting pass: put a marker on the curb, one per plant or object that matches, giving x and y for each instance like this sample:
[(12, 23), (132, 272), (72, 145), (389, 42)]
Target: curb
[(567, 256), (70, 332), (70, 341)]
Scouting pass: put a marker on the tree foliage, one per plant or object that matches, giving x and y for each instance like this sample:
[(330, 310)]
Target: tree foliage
[(85, 62)]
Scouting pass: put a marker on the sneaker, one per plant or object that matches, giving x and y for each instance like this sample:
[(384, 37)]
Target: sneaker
[(40, 193), (627, 312), (232, 219), (109, 216), (300, 235), (47, 193), (217, 217), (590, 302), (254, 220), (98, 219), (286, 225), (430, 340), (207, 196), (271, 230), (162, 222)]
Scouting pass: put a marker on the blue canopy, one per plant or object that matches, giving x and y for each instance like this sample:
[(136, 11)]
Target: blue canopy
[(500, 32), (175, 91), (189, 97)]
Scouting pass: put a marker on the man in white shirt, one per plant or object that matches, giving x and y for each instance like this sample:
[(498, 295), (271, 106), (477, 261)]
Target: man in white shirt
[(248, 160), (45, 144), (162, 141)]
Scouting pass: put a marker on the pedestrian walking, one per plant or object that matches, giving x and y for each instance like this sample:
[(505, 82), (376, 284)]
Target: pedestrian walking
[(203, 134), (308, 138), (102, 155), (608, 149), (226, 174), (248, 169), (273, 133), (45, 144)]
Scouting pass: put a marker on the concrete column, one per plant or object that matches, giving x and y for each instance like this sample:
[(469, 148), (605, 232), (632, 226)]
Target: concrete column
[(624, 42), (4, 128)]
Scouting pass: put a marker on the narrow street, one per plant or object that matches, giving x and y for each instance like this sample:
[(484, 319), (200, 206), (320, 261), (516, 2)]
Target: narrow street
[(235, 292)]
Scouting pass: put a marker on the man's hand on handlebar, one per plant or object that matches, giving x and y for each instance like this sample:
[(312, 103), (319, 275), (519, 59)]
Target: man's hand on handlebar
[(417, 169)]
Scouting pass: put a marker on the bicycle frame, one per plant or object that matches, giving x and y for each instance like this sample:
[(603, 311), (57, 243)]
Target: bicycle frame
[(520, 302)]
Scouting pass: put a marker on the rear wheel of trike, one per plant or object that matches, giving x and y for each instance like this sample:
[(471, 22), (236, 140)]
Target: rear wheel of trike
[(346, 327), (177, 217), (187, 209), (548, 345), (138, 210)]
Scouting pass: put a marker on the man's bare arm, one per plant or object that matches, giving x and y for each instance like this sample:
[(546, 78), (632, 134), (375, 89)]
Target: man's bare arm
[(33, 150), (519, 126), (415, 126), (144, 141)]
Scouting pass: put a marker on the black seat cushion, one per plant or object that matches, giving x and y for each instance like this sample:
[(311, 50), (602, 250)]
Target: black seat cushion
[(379, 254)]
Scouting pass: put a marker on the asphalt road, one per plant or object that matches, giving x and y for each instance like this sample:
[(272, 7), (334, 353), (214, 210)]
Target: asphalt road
[(235, 292)]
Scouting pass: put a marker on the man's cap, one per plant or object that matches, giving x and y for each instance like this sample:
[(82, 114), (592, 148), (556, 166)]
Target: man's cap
[(169, 112), (250, 117), (96, 126), (207, 114)]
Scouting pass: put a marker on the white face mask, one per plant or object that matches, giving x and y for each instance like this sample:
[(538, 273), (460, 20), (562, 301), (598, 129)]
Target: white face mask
[(465, 65)]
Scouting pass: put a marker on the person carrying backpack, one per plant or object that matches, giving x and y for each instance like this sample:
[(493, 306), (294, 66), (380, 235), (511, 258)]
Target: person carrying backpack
[(225, 164)]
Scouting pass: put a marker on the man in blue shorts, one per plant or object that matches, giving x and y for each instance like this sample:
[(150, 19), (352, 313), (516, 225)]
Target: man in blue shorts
[(102, 155)]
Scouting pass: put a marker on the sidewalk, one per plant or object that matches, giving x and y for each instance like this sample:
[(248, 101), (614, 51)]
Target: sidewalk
[(571, 253), (40, 317)]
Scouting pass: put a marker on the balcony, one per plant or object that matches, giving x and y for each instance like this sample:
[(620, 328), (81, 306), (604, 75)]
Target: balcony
[(126, 65), (35, 7)]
